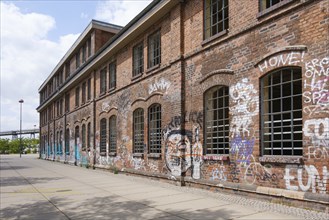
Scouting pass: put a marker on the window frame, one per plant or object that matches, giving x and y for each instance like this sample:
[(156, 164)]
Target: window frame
[(224, 146), (83, 137), (77, 96), (102, 136), (113, 134), (138, 59), (83, 95), (138, 130), (222, 22), (154, 39), (279, 115), (155, 148), (103, 80), (112, 75)]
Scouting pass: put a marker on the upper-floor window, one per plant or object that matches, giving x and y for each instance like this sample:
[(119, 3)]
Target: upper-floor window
[(216, 17), (113, 134), (264, 4), (77, 60), (154, 128), (138, 131), (103, 80), (67, 70), (112, 75), (154, 49), (83, 98), (102, 146), (83, 50), (138, 59), (89, 89), (217, 120), (77, 96), (89, 47), (67, 102), (281, 112)]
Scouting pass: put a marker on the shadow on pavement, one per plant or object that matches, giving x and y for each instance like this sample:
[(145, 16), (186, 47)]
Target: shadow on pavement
[(19, 181), (109, 207)]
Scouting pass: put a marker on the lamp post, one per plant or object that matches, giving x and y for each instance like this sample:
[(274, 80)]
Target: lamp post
[(20, 127)]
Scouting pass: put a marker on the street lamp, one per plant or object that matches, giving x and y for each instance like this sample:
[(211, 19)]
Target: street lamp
[(20, 128)]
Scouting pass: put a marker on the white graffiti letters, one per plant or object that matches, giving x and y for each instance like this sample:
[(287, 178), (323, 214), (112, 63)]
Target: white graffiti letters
[(293, 58), (318, 131), (161, 85), (313, 180)]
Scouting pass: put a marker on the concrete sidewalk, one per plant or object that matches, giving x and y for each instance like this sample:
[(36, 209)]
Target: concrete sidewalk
[(38, 189)]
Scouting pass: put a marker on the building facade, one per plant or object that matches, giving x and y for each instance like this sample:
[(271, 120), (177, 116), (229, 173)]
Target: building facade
[(223, 94)]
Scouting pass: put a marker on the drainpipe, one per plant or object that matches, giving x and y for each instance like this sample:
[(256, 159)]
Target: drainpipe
[(94, 120), (183, 92)]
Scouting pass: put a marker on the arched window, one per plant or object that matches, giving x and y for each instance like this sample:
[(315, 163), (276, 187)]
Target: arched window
[(154, 128), (103, 136), (216, 113), (67, 141), (281, 112), (88, 136), (83, 137), (138, 131), (61, 142), (77, 136), (113, 134)]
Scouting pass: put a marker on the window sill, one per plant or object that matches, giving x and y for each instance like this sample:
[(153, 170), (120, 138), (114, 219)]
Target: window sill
[(111, 89), (215, 157), (154, 155), (112, 154), (152, 68), (102, 94), (216, 36), (281, 159), (273, 8), (137, 76), (102, 154), (138, 154)]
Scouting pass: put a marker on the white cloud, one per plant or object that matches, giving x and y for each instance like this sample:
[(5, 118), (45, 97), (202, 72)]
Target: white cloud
[(27, 58), (119, 12)]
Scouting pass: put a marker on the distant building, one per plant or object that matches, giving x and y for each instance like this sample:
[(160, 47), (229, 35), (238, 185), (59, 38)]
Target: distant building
[(218, 93)]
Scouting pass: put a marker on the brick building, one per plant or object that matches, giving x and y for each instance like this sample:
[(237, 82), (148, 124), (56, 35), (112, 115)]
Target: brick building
[(226, 94)]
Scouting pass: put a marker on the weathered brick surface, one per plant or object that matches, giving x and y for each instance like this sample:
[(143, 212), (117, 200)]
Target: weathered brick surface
[(295, 35)]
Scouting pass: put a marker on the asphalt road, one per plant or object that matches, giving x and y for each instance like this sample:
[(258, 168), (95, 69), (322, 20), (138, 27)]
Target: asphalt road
[(37, 189)]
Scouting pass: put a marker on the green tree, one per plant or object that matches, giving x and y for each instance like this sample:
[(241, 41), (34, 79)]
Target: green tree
[(4, 146)]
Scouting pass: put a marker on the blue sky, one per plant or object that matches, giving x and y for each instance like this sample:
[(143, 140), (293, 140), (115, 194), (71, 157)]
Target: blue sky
[(35, 35)]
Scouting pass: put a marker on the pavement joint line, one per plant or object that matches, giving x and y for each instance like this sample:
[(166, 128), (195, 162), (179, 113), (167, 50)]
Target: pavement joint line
[(40, 192)]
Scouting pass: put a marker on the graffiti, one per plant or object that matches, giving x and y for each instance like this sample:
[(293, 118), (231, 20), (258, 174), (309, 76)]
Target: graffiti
[(214, 157), (256, 171), (218, 174), (314, 181), (292, 58), (180, 153), (194, 117), (162, 85), (245, 106), (318, 131), (242, 149), (317, 152), (316, 86), (196, 156), (234, 172)]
